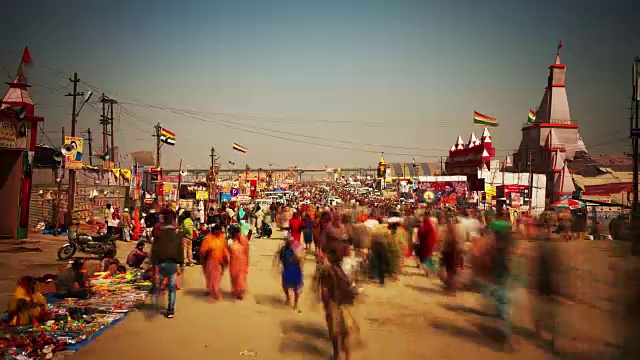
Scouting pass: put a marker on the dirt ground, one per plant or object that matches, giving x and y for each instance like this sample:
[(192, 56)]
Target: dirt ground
[(407, 319), (411, 318)]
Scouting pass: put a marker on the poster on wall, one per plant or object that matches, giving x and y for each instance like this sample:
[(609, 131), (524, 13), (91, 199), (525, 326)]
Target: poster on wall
[(72, 150), (443, 193)]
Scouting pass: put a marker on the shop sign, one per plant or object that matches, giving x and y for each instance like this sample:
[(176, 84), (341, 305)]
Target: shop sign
[(202, 195), (8, 134)]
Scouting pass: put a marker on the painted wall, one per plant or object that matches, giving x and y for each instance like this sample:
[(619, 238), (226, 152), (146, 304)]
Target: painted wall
[(10, 183)]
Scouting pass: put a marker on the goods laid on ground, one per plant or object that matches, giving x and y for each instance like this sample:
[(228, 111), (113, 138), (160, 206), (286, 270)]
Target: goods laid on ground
[(75, 322)]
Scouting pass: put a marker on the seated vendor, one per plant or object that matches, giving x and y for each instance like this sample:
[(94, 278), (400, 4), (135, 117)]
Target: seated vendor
[(26, 305), (71, 282), (137, 256), (110, 264)]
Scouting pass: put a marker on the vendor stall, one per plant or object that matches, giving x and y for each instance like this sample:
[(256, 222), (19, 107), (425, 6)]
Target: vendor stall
[(73, 323)]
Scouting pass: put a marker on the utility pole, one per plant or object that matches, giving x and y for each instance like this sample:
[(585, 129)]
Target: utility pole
[(113, 155), (213, 189), (530, 180), (634, 125), (157, 135), (442, 170), (90, 140), (104, 122), (62, 136), (72, 172)]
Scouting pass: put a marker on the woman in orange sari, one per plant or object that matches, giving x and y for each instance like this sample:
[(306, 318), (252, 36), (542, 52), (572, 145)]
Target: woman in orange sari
[(214, 255), (239, 262)]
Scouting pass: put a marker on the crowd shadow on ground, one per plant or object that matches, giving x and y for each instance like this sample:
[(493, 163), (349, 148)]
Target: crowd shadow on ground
[(427, 290), (205, 295), (271, 300), (484, 330), (305, 338)]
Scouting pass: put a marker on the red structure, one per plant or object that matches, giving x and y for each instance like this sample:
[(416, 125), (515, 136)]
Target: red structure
[(466, 159), (19, 129)]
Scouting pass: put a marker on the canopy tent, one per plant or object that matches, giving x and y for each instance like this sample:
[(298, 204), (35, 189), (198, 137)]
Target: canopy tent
[(568, 204)]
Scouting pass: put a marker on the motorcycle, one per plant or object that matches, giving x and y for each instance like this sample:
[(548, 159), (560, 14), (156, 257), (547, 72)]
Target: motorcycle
[(93, 245)]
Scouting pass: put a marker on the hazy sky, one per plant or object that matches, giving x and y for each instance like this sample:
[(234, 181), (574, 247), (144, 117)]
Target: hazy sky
[(324, 70)]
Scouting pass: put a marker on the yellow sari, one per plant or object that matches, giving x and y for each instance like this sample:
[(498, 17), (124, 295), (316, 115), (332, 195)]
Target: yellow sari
[(25, 316)]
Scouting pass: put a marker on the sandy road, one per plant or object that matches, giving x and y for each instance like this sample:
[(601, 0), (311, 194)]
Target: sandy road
[(407, 319)]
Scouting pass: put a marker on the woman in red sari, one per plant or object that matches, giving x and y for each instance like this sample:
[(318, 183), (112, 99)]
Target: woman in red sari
[(295, 226), (239, 263)]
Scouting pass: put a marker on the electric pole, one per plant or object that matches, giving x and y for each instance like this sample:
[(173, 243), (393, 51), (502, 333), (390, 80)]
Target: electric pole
[(104, 122), (634, 125), (213, 188), (113, 155), (530, 180), (72, 172), (90, 140), (158, 135), (62, 136)]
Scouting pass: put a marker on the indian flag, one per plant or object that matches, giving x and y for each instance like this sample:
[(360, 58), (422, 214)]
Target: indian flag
[(238, 147), (167, 137), (484, 119), (532, 116)]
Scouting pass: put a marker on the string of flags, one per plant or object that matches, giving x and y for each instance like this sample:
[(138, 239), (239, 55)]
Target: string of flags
[(167, 137)]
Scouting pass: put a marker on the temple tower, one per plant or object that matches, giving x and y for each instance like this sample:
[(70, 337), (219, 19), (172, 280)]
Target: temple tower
[(553, 139)]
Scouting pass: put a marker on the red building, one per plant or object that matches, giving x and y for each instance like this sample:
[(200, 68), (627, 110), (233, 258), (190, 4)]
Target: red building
[(18, 133), (467, 158)]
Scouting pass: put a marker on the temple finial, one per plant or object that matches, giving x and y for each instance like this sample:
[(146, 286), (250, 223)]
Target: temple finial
[(558, 52)]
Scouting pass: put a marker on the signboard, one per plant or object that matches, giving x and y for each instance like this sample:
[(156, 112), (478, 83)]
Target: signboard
[(202, 195), (490, 192), (634, 133), (234, 192), (244, 198), (8, 134), (72, 150), (443, 193), (253, 188)]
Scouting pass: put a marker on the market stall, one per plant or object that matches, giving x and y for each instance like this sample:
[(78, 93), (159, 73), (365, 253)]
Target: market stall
[(75, 322)]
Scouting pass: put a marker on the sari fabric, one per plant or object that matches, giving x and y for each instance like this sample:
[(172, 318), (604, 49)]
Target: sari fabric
[(215, 256), (239, 266), (19, 315)]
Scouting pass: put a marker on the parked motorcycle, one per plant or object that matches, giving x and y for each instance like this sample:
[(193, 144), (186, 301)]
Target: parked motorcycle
[(93, 245)]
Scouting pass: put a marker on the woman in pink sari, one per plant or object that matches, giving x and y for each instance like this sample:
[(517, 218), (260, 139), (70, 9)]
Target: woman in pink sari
[(214, 255), (239, 263)]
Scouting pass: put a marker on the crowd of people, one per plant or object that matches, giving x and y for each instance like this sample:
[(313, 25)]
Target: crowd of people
[(362, 240)]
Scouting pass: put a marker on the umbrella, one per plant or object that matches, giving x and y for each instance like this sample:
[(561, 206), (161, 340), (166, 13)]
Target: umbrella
[(568, 204)]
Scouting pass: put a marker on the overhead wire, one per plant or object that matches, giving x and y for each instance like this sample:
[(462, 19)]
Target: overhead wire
[(211, 118)]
